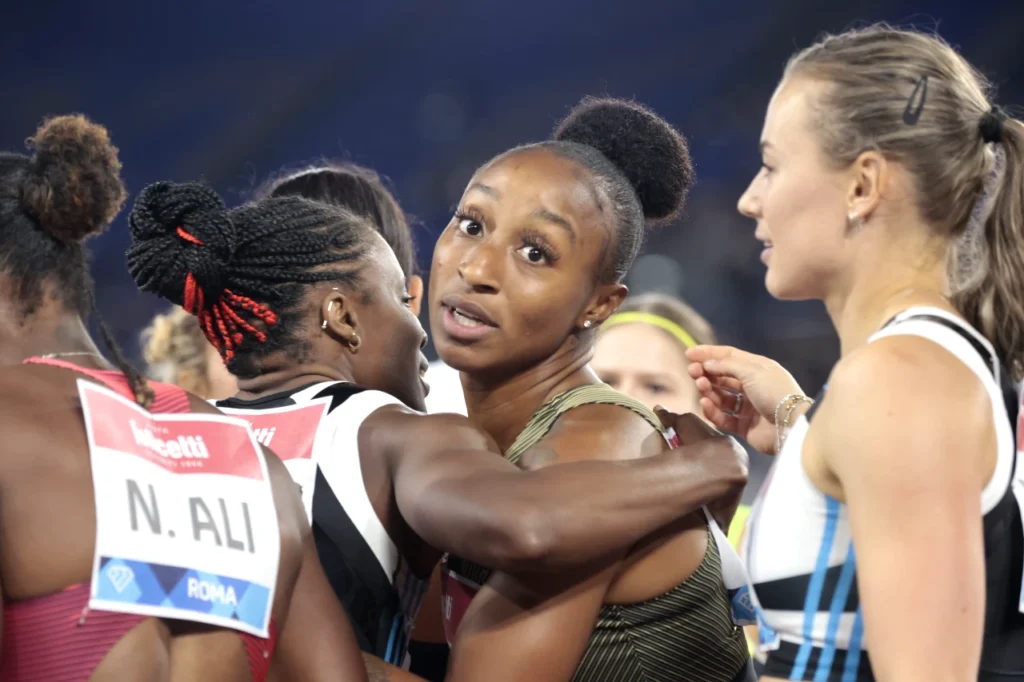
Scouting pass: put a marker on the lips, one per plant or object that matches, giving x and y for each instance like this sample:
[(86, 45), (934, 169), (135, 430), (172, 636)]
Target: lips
[(464, 320), (766, 252)]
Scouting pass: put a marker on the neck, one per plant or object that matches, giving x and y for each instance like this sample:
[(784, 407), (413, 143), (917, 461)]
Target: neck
[(503, 406), (872, 298), (44, 334), (287, 378)]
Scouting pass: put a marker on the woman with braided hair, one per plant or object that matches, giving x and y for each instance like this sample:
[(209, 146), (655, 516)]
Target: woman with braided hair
[(365, 193), (309, 308), (62, 479)]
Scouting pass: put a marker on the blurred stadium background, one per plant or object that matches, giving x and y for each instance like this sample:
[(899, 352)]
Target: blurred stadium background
[(423, 92)]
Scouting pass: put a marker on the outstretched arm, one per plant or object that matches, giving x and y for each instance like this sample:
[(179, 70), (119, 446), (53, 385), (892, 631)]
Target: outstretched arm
[(458, 493)]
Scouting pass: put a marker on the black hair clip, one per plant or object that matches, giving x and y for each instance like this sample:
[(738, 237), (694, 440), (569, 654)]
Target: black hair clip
[(912, 113)]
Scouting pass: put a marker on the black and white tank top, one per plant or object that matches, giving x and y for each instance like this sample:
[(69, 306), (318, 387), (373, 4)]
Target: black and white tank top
[(802, 561), (315, 431)]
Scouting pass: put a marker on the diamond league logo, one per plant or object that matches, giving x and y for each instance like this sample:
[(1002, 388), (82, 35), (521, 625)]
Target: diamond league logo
[(120, 577)]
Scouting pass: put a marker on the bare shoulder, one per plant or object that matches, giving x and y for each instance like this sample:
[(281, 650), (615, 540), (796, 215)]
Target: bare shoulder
[(596, 432), (397, 426), (904, 403), (34, 392), (909, 375)]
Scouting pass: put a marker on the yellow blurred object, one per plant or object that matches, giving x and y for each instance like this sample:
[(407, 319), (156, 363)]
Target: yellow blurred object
[(738, 525)]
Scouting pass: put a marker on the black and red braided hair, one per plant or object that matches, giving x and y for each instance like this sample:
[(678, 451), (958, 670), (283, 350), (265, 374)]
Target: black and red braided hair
[(243, 272)]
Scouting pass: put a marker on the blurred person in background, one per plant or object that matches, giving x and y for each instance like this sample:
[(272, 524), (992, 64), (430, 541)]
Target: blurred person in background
[(308, 306), (526, 272), (641, 351), (362, 191), (892, 189), (54, 565), (177, 352)]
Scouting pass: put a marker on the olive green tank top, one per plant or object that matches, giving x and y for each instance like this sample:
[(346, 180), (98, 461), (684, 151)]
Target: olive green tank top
[(683, 635)]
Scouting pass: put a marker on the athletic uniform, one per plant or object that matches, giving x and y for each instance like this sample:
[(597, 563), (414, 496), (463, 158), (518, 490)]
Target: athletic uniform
[(374, 583), (801, 558), (683, 635), (56, 637)]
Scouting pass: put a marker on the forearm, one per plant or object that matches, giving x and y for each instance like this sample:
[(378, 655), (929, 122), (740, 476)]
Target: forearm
[(601, 514), (567, 515), (379, 671)]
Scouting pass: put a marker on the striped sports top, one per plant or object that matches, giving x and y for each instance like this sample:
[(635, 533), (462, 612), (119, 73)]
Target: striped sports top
[(801, 558), (371, 578), (683, 635)]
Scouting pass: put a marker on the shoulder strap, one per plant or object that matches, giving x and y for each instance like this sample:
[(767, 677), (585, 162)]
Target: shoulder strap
[(168, 398), (990, 360), (591, 394)]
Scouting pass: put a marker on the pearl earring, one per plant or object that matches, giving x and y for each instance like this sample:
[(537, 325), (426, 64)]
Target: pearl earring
[(587, 324)]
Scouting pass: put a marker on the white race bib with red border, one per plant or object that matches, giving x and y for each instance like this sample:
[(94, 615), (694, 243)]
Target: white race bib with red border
[(291, 432), (186, 526)]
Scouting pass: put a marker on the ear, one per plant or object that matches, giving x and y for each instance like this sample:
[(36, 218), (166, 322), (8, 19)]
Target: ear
[(603, 304), (870, 179), (416, 291), (340, 320)]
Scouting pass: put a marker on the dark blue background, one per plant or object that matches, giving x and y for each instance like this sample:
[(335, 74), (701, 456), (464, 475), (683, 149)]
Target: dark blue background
[(425, 91)]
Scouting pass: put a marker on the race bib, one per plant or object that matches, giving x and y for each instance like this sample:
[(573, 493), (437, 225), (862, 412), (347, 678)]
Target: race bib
[(186, 526), (458, 593), (291, 433), (734, 573)]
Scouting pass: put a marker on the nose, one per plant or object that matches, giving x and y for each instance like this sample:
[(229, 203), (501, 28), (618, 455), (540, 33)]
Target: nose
[(480, 267), (749, 203), (423, 343)]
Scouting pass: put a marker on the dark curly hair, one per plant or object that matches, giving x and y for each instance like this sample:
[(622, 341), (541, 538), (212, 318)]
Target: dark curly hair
[(358, 189), (70, 189), (638, 159), (243, 272)]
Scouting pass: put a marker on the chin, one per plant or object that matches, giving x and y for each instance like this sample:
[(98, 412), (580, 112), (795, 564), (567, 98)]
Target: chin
[(787, 289), (459, 356)]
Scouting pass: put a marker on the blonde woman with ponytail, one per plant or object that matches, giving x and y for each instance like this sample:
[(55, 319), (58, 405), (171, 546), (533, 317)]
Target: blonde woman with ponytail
[(177, 353), (887, 542)]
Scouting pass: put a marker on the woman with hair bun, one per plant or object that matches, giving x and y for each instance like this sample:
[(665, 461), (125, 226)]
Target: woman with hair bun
[(80, 432), (527, 271)]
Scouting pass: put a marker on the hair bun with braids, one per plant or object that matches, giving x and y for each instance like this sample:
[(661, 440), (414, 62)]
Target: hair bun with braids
[(652, 155), (73, 186), (178, 231)]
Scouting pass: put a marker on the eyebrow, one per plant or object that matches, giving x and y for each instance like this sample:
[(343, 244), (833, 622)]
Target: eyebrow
[(486, 189), (556, 219)]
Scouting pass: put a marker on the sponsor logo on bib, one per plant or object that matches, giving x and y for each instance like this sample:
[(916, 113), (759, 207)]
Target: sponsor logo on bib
[(186, 526), (291, 433)]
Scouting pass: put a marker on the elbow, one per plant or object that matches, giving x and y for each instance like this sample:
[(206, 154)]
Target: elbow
[(531, 540)]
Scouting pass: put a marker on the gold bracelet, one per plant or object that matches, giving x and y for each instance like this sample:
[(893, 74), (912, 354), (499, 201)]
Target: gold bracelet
[(788, 403)]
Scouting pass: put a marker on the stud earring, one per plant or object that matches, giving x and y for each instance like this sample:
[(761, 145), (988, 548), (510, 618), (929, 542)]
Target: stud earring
[(854, 221), (587, 324), (324, 325)]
